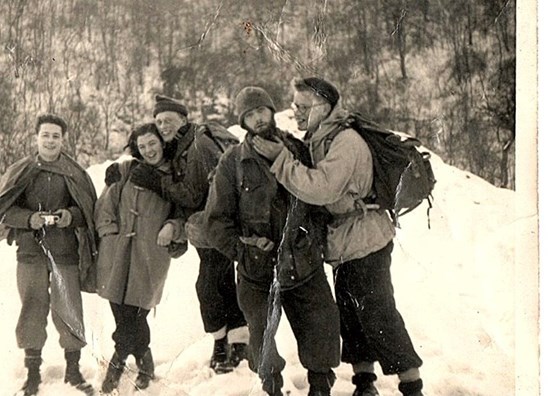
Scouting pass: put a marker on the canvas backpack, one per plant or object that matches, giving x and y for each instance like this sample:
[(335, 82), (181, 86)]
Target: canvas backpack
[(403, 175), (223, 139)]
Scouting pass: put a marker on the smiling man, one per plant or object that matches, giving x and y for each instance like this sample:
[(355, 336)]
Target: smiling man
[(194, 150), (47, 201), (359, 242)]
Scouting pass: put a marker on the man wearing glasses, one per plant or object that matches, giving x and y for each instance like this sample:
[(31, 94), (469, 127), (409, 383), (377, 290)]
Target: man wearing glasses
[(359, 245)]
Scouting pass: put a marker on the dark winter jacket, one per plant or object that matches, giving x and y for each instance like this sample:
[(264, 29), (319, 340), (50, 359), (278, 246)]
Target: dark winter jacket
[(246, 200), (32, 185), (195, 156), (132, 268)]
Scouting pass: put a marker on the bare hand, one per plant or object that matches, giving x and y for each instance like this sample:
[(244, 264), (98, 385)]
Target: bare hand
[(267, 148), (262, 243), (165, 235)]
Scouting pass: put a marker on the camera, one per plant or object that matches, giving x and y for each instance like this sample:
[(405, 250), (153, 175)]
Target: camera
[(50, 219)]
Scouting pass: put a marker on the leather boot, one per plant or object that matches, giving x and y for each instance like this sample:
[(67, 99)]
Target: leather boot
[(237, 352), (320, 384), (412, 388), (115, 370), (364, 384), (145, 370), (73, 375), (272, 384), (219, 361), (32, 363)]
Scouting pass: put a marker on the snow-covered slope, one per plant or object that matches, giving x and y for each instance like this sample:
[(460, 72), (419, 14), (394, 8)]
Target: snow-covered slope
[(454, 285)]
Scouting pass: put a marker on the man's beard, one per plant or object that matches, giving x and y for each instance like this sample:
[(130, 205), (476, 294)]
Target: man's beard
[(266, 132)]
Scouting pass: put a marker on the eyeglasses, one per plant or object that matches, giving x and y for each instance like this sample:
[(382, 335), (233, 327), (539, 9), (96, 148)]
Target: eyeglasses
[(302, 108)]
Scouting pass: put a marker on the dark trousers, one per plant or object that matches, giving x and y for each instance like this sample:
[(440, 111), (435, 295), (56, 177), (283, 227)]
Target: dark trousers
[(371, 327), (132, 335), (310, 309), (216, 291)]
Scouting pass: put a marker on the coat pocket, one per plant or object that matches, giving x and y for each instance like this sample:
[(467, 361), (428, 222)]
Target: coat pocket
[(257, 264)]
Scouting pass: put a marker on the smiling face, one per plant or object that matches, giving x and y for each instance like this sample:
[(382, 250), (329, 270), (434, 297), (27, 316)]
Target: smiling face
[(150, 148), (309, 110), (168, 124), (49, 141)]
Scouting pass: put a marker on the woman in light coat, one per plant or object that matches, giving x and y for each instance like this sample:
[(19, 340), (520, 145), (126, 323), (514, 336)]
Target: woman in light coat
[(140, 232)]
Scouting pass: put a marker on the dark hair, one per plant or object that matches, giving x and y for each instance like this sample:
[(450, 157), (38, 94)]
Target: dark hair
[(319, 87), (142, 130), (50, 118)]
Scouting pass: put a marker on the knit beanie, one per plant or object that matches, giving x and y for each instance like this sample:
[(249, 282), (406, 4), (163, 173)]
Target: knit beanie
[(250, 98), (164, 103), (324, 89)]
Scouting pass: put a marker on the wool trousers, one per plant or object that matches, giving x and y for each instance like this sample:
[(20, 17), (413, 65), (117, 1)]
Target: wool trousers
[(372, 328), (132, 333), (42, 289), (216, 291), (310, 309)]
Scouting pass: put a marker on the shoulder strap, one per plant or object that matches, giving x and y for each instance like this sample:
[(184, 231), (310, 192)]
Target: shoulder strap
[(221, 137), (330, 137)]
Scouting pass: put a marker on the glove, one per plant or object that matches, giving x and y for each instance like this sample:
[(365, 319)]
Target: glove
[(64, 218), (36, 220), (176, 250), (148, 177), (262, 243), (112, 174)]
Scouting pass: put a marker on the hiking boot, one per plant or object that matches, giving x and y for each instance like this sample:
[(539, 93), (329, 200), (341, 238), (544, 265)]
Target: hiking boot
[(145, 370), (364, 384), (31, 385), (115, 370), (272, 384), (32, 363), (73, 376), (219, 361), (320, 384), (412, 388), (318, 393), (237, 352)]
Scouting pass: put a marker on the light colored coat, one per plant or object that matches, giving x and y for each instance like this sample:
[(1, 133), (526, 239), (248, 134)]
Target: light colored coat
[(339, 179), (131, 268)]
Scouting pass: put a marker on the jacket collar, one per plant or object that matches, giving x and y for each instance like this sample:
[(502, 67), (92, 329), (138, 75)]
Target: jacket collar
[(60, 166), (328, 125)]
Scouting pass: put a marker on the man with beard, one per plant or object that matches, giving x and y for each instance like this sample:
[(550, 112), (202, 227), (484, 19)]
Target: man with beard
[(194, 151), (252, 219), (360, 238)]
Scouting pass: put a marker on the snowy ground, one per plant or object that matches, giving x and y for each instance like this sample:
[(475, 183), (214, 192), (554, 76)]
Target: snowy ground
[(454, 286)]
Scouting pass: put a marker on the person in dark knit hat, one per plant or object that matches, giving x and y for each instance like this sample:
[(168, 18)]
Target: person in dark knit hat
[(254, 220), (164, 103), (194, 151), (359, 243)]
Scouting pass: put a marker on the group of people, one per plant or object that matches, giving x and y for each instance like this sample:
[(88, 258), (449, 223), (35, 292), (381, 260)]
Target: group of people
[(276, 206)]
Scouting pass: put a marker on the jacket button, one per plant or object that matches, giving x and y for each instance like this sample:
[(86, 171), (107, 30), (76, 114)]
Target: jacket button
[(292, 277)]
